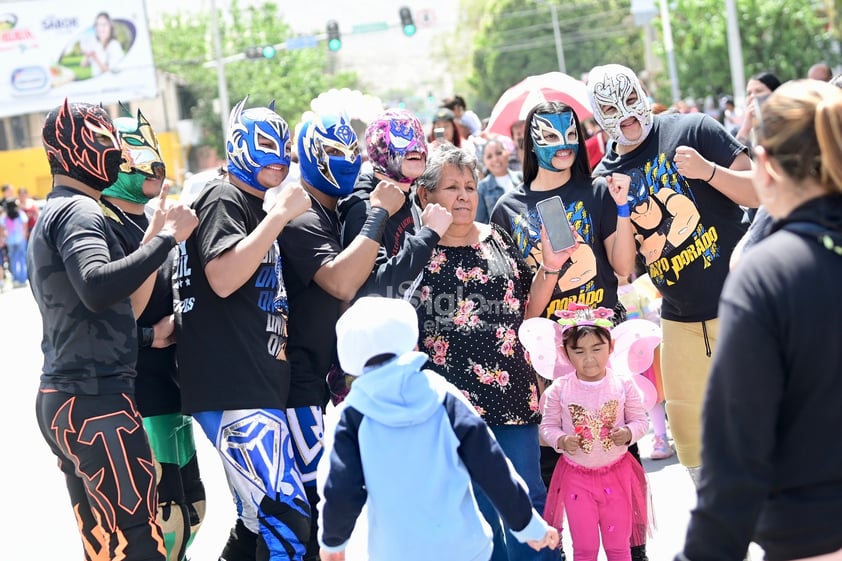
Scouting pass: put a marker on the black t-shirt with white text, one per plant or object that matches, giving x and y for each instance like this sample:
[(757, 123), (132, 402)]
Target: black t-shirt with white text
[(231, 351)]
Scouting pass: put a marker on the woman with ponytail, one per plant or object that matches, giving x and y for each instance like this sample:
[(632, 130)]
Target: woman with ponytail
[(772, 470)]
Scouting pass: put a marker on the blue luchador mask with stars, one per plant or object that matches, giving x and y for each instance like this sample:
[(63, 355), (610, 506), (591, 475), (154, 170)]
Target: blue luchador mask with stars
[(329, 154)]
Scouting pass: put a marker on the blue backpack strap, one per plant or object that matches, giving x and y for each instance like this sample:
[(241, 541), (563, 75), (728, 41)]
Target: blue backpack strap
[(805, 228), (821, 233)]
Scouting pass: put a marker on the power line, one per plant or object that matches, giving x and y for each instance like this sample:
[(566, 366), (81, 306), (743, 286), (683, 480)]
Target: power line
[(571, 38), (562, 8), (568, 23), (619, 31)]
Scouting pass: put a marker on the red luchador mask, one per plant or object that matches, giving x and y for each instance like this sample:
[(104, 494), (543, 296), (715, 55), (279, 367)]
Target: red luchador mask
[(81, 143)]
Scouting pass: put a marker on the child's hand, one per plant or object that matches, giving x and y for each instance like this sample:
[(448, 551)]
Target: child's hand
[(550, 540), (621, 436), (335, 556), (569, 443)]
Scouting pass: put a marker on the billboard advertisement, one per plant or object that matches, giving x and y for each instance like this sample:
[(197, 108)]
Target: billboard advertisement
[(84, 50)]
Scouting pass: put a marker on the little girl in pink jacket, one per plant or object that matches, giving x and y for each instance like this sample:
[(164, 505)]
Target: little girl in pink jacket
[(591, 416)]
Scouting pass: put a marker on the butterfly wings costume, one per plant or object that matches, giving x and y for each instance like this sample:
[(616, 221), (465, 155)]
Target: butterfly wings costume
[(599, 469)]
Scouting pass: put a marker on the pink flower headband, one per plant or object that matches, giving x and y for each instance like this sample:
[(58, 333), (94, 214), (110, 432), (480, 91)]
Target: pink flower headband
[(580, 314)]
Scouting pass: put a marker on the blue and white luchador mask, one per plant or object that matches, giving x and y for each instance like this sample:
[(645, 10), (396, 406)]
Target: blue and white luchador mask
[(329, 154), (552, 132), (257, 138)]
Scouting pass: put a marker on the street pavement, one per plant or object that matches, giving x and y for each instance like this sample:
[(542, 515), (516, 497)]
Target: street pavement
[(42, 525)]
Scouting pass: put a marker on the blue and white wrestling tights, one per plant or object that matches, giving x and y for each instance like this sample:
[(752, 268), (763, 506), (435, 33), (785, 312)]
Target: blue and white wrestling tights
[(273, 513)]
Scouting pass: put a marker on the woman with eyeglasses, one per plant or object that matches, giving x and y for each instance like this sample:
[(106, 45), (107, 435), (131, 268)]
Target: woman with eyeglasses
[(772, 470)]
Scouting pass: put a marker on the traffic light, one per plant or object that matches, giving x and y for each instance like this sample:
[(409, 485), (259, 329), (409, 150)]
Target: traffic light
[(265, 51), (408, 25), (334, 42)]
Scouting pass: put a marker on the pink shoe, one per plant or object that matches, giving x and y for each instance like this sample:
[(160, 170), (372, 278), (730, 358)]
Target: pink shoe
[(661, 449)]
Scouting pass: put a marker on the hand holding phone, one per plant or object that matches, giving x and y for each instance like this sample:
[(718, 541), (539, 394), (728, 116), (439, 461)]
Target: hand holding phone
[(438, 133), (554, 218)]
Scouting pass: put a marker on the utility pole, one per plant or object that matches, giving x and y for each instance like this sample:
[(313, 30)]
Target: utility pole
[(670, 49), (644, 11), (735, 54), (559, 48), (221, 82)]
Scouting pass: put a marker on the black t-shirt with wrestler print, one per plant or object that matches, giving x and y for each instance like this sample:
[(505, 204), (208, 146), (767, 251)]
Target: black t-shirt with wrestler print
[(588, 277), (685, 229), (230, 350)]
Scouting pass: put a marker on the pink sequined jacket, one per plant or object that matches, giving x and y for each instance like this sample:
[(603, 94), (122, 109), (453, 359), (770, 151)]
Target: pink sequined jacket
[(592, 410)]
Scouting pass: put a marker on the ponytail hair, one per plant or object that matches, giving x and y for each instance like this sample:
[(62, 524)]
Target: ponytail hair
[(800, 126), (829, 133)]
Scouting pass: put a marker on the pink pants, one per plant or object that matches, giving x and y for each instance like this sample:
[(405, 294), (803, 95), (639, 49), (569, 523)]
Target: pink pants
[(608, 502)]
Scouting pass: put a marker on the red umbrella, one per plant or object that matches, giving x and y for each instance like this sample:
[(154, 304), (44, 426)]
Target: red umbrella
[(518, 100)]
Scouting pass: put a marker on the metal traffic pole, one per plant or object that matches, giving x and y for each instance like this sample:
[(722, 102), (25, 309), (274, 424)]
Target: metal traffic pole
[(221, 82)]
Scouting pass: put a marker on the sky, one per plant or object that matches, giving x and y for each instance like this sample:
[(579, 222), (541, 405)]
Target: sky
[(312, 16), (383, 60)]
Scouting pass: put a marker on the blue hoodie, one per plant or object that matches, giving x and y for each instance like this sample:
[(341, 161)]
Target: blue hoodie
[(409, 443)]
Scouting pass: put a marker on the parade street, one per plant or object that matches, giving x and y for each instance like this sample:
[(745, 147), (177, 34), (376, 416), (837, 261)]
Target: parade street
[(42, 526)]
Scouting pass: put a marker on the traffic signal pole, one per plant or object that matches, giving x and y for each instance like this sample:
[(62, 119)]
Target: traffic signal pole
[(221, 81), (303, 42), (332, 35)]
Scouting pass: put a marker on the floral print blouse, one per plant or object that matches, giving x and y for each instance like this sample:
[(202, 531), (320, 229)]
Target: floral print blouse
[(470, 304)]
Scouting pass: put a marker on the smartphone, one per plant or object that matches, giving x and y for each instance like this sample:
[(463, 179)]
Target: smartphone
[(438, 133), (554, 218)]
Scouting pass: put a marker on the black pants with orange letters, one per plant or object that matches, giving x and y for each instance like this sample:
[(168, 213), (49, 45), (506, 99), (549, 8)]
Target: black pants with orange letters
[(103, 451)]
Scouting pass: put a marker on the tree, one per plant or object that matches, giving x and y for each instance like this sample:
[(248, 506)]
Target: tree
[(456, 50), (515, 39), (291, 78), (784, 37)]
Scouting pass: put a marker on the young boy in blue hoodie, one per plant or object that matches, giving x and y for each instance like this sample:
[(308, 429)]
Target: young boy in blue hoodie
[(408, 443)]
